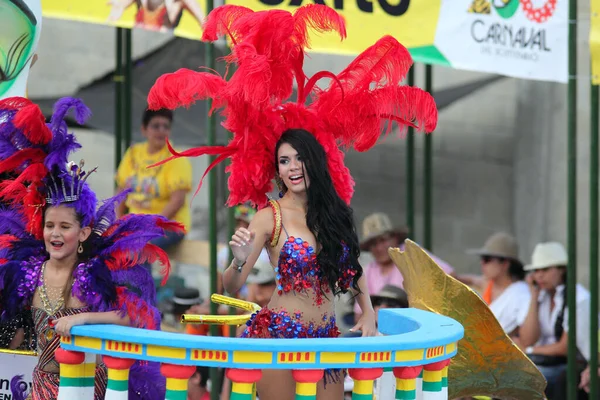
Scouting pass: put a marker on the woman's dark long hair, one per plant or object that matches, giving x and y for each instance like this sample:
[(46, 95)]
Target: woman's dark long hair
[(328, 217)]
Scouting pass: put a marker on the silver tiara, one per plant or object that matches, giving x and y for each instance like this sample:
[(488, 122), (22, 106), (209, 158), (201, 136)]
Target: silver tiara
[(78, 178)]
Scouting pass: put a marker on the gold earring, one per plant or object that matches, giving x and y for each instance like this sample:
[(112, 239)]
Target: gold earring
[(80, 248)]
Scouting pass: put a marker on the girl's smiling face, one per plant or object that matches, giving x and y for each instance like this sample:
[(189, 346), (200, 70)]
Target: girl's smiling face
[(63, 232)]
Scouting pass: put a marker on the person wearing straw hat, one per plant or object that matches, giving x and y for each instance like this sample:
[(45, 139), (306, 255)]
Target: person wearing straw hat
[(502, 281), (544, 333), (378, 236)]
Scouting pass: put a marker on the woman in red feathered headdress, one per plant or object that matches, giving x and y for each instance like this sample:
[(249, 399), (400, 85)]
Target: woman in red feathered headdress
[(309, 233)]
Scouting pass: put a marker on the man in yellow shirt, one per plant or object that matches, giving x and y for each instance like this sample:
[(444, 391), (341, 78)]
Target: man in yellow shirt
[(160, 190)]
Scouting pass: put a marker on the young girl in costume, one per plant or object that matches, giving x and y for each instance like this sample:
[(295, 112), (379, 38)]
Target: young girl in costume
[(64, 260), (309, 233)]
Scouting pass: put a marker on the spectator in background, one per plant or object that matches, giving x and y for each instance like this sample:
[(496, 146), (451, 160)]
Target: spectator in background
[(197, 385), (502, 282), (378, 236), (160, 190), (390, 296), (261, 283), (544, 334)]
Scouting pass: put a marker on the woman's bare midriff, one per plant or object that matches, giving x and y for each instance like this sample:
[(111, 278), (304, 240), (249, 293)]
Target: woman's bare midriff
[(304, 303)]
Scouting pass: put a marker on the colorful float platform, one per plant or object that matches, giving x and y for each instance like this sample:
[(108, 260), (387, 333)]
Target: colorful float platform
[(416, 345)]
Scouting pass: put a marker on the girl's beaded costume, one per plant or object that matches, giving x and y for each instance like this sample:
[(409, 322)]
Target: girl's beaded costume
[(360, 103), (108, 276)]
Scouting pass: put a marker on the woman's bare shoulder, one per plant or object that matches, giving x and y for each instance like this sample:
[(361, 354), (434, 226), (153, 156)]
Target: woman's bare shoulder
[(263, 220)]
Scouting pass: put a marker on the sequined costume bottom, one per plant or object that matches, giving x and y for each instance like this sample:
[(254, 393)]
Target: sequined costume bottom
[(280, 324), (45, 383)]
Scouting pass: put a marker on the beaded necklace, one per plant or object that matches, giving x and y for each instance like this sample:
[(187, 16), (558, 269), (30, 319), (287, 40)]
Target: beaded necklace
[(46, 303)]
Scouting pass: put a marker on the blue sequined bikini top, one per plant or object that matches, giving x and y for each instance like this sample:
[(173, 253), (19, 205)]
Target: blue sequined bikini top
[(299, 271)]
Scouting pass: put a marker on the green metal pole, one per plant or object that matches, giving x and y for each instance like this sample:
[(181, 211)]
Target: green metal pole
[(211, 130), (594, 207), (427, 178), (128, 88), (118, 78), (230, 232), (572, 202), (410, 170)]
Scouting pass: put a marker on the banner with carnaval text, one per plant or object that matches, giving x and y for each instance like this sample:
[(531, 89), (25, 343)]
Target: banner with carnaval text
[(182, 17), (17, 369), (595, 40), (519, 38)]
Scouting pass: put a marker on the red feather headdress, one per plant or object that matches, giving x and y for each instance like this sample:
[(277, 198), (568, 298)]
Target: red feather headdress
[(360, 103)]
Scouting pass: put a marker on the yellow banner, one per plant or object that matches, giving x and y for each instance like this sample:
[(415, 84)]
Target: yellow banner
[(595, 40), (182, 17), (411, 22)]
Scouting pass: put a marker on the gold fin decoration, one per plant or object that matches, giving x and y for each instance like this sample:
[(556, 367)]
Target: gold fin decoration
[(488, 363)]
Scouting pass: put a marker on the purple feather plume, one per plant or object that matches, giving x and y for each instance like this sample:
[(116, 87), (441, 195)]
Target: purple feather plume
[(12, 222), (106, 214), (146, 382), (63, 106)]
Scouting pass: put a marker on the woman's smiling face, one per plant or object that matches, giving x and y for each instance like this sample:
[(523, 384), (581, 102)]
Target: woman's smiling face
[(291, 169)]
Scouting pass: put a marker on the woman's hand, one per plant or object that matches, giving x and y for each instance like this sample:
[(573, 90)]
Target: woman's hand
[(63, 325), (585, 379), (241, 244), (533, 287), (366, 324)]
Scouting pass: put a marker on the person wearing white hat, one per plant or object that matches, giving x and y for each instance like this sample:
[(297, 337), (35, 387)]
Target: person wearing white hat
[(544, 334)]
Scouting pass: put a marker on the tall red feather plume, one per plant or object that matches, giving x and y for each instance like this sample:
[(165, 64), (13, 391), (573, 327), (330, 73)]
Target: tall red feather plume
[(137, 310), (219, 22), (268, 47), (16, 160), (32, 122), (183, 88), (171, 226), (124, 259), (319, 19), (14, 103), (153, 253), (15, 190), (385, 63)]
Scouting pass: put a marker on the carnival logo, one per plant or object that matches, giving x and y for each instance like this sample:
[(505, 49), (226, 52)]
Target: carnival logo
[(538, 11)]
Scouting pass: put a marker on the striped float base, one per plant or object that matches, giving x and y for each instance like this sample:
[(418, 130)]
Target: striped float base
[(306, 391), (116, 388), (241, 391), (363, 390), (406, 389), (406, 394), (176, 389)]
